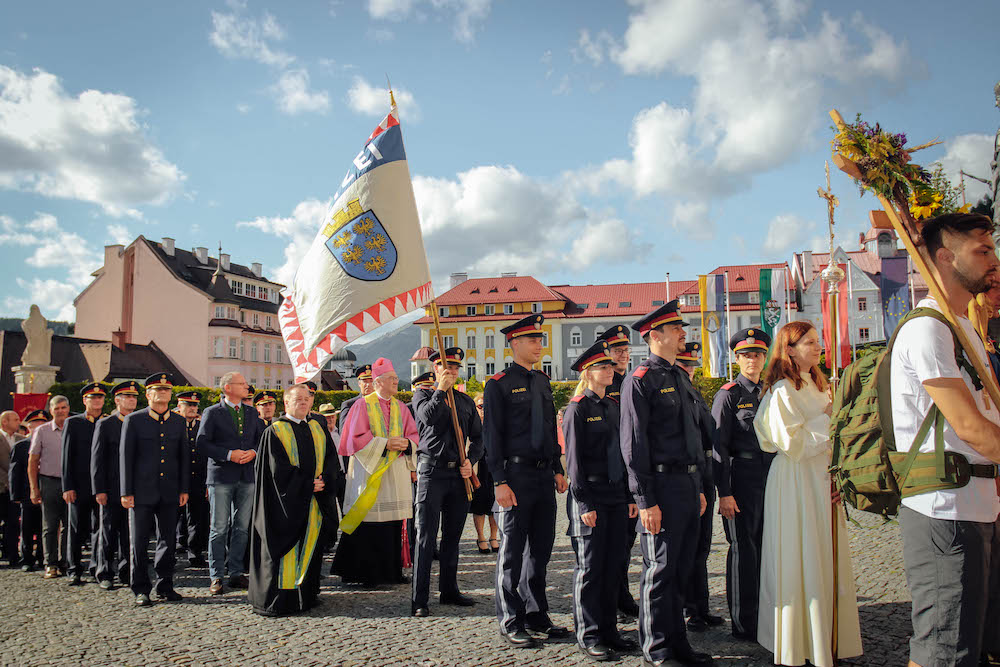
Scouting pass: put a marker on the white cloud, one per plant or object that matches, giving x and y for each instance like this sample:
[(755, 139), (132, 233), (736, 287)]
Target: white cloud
[(971, 153), (761, 85), (237, 36), (293, 95), (299, 228), (53, 250), (593, 48), (468, 15), (119, 234), (564, 87), (90, 148), (790, 232), (693, 221), (243, 108), (370, 100)]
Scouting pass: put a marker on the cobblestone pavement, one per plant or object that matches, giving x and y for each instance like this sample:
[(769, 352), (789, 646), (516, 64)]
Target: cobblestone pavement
[(44, 622)]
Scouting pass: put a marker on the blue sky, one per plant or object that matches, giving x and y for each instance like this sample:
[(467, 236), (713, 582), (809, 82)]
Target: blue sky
[(581, 142)]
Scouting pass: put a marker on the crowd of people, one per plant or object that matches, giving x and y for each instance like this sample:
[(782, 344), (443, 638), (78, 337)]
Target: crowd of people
[(390, 485)]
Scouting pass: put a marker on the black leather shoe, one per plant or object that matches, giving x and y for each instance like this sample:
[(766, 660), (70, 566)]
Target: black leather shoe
[(697, 624), (599, 652), (519, 639), (105, 584), (745, 636), (686, 655), (28, 567), (457, 599), (713, 620), (198, 562), (142, 600), (240, 581), (623, 644), (628, 607), (169, 595), (420, 612), (552, 631), (76, 580)]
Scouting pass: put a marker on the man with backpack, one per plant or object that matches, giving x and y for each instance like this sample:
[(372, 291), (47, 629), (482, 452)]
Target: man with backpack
[(947, 531)]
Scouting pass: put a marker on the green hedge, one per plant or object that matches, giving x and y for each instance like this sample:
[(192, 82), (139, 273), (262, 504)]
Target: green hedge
[(209, 396)]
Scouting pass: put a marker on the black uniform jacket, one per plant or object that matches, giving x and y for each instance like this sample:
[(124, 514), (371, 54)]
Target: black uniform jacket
[(654, 402), (590, 426), (507, 420), (734, 409), (105, 473), (155, 466), (78, 436), (437, 434)]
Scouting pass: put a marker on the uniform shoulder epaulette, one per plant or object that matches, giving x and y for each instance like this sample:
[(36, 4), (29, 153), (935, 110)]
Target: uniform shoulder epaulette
[(543, 373), (498, 375), (576, 399), (729, 385), (640, 371)]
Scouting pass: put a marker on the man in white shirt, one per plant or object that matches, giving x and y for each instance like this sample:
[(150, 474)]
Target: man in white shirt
[(947, 534)]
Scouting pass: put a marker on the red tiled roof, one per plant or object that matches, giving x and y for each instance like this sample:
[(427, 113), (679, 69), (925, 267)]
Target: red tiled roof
[(867, 261), (638, 296), (742, 277), (499, 317), (497, 290), (734, 307)]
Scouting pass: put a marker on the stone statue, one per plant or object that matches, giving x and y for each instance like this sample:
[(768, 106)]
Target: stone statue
[(995, 165), (38, 351)]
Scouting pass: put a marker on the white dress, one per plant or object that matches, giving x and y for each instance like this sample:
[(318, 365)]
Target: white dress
[(795, 611)]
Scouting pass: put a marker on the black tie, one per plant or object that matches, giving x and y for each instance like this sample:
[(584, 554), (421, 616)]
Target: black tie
[(537, 416), (616, 467)]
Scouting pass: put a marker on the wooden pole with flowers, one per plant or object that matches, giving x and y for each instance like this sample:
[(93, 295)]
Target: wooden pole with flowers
[(880, 163)]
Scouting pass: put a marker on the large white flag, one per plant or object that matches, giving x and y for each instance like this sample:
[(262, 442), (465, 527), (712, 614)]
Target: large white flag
[(367, 264)]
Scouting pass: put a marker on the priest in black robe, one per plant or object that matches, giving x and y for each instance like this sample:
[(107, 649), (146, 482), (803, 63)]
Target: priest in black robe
[(294, 496)]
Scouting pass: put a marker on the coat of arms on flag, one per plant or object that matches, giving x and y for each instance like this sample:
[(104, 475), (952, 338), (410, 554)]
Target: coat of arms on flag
[(367, 264)]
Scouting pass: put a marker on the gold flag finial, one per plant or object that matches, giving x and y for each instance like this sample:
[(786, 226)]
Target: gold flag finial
[(388, 85)]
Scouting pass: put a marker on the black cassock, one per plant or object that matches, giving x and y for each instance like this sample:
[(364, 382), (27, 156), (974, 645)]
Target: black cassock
[(282, 496)]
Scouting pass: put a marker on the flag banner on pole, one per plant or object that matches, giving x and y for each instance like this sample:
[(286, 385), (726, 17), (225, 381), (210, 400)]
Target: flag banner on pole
[(773, 313), (715, 333), (367, 264), (25, 403), (844, 353), (895, 292)]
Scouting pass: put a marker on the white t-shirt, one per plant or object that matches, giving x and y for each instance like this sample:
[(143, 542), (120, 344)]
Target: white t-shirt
[(925, 350)]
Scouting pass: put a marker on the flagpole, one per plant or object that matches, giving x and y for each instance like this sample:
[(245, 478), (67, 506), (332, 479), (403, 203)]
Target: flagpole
[(850, 300), (729, 331), (470, 482), (909, 282), (788, 294), (668, 287)]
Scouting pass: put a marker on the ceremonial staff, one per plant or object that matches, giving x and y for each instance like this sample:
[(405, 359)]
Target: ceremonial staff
[(470, 482)]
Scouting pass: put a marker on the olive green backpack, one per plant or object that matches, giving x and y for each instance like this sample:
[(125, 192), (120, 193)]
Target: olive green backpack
[(867, 470)]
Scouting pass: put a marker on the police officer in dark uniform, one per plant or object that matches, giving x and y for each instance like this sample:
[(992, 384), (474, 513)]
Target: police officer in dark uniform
[(740, 473), (78, 436), (441, 498), (266, 402), (662, 448), (155, 478), (422, 384), (696, 591), (598, 506), (619, 347), (192, 519), (105, 480), (523, 454)]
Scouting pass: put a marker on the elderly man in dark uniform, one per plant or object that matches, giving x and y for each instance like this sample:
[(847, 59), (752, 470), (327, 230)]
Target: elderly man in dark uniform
[(740, 473), (619, 347), (662, 448), (105, 481), (441, 498), (696, 591), (192, 520), (78, 437), (522, 451), (155, 477)]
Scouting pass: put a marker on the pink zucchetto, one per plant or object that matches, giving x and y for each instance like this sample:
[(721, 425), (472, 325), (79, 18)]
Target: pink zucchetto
[(381, 366)]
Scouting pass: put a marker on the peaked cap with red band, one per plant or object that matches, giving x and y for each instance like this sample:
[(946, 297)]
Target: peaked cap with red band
[(363, 372), (750, 339), (615, 336), (92, 389), (593, 355), (529, 326), (668, 313), (691, 356)]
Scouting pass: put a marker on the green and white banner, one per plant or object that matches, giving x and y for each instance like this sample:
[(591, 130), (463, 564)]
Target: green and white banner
[(773, 311)]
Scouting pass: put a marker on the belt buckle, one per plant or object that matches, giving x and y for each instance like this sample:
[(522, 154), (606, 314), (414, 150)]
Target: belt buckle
[(692, 468)]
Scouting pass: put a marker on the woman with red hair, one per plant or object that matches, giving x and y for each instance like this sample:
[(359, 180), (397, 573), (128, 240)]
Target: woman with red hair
[(795, 611)]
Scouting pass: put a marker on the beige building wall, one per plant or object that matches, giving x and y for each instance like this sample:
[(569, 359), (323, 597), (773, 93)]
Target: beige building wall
[(99, 306), (172, 313)]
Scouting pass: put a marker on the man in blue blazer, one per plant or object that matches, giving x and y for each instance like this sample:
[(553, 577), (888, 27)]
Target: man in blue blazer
[(229, 435), (155, 471)]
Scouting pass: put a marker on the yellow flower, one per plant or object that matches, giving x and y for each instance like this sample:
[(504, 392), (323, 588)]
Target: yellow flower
[(965, 209)]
